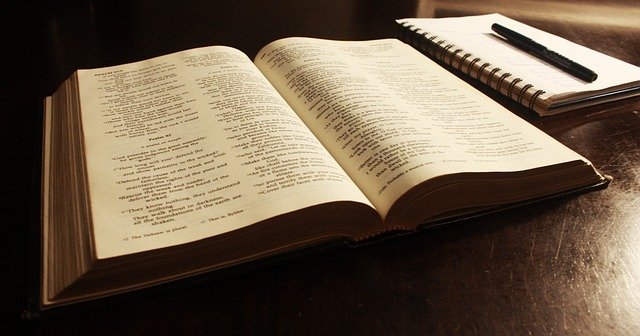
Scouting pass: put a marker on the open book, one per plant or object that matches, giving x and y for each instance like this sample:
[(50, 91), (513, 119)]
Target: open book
[(468, 45), (202, 159)]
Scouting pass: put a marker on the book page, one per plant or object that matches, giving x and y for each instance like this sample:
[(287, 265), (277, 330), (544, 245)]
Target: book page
[(194, 144), (473, 34), (393, 118)]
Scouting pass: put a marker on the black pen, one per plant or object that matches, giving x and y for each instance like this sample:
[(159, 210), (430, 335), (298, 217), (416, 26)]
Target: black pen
[(542, 52)]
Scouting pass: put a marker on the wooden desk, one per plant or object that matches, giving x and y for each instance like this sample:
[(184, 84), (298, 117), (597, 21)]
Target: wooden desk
[(568, 266)]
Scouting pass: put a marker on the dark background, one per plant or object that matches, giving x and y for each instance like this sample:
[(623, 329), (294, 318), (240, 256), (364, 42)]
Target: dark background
[(568, 266)]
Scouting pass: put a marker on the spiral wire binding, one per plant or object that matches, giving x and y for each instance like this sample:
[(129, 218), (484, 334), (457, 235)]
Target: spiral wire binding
[(507, 84)]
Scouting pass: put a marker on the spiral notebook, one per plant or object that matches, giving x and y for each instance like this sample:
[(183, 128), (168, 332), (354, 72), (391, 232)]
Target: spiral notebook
[(468, 46)]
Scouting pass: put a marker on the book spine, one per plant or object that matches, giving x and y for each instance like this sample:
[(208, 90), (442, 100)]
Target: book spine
[(464, 62)]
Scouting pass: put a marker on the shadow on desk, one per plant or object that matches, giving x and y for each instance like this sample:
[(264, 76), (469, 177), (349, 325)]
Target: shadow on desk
[(564, 267)]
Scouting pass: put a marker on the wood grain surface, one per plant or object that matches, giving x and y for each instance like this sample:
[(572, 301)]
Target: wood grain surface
[(561, 267)]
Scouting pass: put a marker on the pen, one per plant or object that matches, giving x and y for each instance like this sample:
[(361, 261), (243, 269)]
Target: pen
[(541, 51)]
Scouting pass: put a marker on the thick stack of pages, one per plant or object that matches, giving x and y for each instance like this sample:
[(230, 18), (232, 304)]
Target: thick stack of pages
[(202, 159)]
